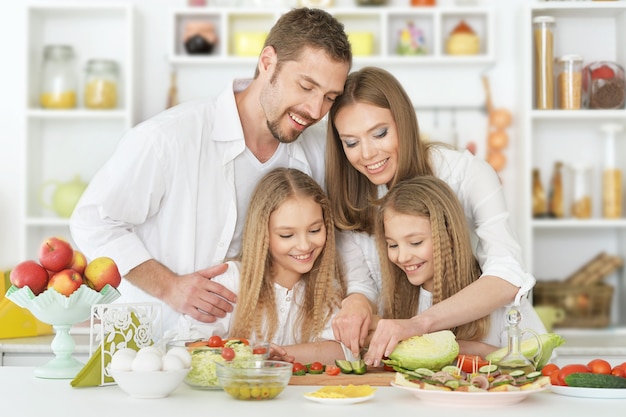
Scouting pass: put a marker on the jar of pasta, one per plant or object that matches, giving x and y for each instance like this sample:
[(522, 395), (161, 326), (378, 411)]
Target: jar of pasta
[(101, 81), (58, 78), (569, 86)]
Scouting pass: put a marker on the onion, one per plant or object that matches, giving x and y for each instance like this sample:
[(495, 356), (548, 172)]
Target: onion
[(500, 118)]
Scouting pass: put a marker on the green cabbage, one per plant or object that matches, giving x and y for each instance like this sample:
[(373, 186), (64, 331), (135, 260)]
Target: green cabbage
[(549, 342), (432, 351)]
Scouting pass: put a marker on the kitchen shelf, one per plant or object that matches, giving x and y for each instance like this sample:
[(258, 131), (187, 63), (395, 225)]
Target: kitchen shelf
[(554, 248), (383, 22), (95, 31)]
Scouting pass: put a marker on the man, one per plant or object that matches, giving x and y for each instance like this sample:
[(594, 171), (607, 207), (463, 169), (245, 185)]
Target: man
[(169, 205)]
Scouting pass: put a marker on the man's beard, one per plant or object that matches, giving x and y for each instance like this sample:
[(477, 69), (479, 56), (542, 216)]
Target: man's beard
[(274, 129)]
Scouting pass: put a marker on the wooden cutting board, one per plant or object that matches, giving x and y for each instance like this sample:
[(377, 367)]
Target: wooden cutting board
[(373, 376)]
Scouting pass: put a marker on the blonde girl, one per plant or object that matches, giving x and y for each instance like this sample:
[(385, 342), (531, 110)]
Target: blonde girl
[(426, 257), (287, 278)]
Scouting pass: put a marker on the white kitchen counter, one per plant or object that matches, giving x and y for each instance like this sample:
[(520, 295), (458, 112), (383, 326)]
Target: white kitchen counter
[(25, 395)]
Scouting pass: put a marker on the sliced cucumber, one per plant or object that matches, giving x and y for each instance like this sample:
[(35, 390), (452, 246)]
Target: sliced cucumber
[(359, 367), (344, 366), (452, 370), (533, 375), (488, 369), (516, 373), (424, 371)]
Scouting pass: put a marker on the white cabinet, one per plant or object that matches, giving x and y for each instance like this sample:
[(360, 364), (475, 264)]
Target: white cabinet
[(555, 248), (383, 23), (61, 144)]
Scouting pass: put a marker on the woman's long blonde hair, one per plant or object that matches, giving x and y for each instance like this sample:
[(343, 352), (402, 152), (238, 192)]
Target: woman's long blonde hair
[(455, 266), (256, 314), (351, 193)]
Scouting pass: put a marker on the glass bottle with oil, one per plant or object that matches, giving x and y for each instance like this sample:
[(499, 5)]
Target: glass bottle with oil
[(514, 362)]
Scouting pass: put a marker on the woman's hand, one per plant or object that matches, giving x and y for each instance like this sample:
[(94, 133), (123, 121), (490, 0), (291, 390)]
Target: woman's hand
[(352, 323)]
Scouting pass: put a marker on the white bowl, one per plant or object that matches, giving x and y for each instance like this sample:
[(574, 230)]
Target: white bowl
[(156, 384)]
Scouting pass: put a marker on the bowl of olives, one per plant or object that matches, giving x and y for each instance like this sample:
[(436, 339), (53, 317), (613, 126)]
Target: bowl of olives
[(254, 380)]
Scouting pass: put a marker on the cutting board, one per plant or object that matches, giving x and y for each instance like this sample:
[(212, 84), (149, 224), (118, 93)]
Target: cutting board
[(373, 376)]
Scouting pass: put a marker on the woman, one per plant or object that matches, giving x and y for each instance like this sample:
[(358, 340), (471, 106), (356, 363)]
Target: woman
[(373, 143)]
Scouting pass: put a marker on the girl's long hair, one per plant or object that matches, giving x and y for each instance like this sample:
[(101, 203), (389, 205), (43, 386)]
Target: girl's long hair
[(454, 264), (256, 314)]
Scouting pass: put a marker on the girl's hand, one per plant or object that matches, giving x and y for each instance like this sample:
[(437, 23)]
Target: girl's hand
[(278, 353)]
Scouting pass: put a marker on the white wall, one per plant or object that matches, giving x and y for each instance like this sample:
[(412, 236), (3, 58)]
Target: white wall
[(152, 78)]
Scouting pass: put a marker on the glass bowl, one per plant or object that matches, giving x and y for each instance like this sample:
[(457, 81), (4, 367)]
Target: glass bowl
[(254, 380), (203, 374)]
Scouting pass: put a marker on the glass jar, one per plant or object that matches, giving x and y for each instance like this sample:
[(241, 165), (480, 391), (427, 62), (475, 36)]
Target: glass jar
[(101, 81), (581, 206), (543, 32), (556, 206), (604, 85), (612, 175), (569, 82), (58, 78)]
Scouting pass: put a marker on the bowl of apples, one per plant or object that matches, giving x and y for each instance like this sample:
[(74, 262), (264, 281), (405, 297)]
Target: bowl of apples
[(60, 289)]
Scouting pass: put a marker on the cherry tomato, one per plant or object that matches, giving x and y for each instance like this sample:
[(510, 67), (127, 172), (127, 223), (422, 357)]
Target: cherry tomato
[(599, 366), (617, 371), (549, 368), (622, 365), (388, 368), (298, 369), (259, 351), (470, 363), (316, 366), (571, 369), (332, 370), (555, 377), (228, 354), (215, 341)]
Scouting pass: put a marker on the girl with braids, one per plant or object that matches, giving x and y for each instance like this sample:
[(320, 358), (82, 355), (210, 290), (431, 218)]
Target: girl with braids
[(426, 257), (287, 277)]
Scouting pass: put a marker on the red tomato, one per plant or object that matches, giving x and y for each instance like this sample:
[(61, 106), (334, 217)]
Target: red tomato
[(470, 363), (215, 341), (617, 371), (549, 368), (599, 366), (388, 368), (622, 365), (572, 369), (316, 366), (555, 377), (298, 369), (259, 351), (228, 354), (332, 370)]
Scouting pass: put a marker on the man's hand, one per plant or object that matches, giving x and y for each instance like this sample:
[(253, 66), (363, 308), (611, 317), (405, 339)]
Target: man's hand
[(195, 294), (352, 322)]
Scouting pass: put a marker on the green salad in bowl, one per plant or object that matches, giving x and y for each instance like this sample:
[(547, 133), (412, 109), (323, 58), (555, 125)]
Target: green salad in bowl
[(206, 352)]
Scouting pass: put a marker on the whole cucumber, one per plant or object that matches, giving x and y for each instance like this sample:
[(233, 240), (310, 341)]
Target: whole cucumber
[(589, 380)]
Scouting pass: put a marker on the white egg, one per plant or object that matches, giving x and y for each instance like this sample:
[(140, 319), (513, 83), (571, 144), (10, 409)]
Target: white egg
[(150, 349), (147, 362), (182, 354), (172, 362), (122, 359)]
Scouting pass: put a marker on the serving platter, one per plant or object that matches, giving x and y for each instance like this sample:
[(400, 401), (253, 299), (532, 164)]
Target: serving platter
[(469, 399), (589, 392)]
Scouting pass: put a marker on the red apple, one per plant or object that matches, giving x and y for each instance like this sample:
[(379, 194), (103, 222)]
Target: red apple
[(79, 262), (30, 274), (66, 282), (102, 271), (56, 254)]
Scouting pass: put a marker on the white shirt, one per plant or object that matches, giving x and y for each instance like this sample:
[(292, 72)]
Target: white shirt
[(497, 334), (288, 304), (479, 190), (168, 191)]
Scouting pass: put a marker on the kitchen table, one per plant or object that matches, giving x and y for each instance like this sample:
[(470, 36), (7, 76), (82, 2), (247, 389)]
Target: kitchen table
[(22, 394)]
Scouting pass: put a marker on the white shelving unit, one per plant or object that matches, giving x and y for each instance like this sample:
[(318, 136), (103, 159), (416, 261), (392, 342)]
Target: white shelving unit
[(384, 23), (557, 247), (55, 137)]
